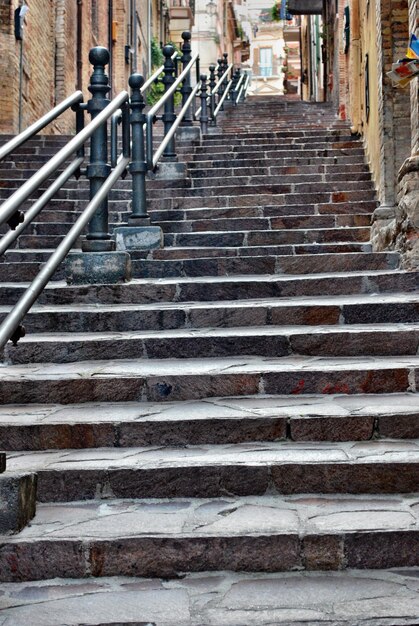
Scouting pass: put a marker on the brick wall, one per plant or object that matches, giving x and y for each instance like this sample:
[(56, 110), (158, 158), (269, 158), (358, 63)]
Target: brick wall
[(50, 55)]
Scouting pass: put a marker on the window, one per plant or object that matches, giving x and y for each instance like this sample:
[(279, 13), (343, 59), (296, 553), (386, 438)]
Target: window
[(265, 62)]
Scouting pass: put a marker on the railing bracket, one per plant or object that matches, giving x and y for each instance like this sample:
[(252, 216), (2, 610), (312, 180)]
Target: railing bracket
[(18, 334), (15, 219)]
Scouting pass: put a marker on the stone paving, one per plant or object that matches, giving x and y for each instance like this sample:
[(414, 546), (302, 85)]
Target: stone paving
[(351, 598)]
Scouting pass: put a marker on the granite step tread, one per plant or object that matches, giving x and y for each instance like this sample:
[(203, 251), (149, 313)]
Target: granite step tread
[(254, 454), (380, 466), (365, 597), (210, 421), (250, 516)]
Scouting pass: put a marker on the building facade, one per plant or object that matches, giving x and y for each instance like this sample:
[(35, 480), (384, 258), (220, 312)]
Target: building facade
[(360, 39)]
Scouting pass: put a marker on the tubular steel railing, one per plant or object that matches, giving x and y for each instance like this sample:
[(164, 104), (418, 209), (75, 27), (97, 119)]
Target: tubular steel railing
[(138, 155), (32, 130)]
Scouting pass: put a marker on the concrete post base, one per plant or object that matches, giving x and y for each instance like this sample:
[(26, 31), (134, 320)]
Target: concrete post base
[(188, 133), (98, 268), (169, 171), (138, 237)]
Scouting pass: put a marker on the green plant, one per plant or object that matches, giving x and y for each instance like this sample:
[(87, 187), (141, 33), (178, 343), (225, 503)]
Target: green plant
[(157, 57), (156, 90), (276, 11)]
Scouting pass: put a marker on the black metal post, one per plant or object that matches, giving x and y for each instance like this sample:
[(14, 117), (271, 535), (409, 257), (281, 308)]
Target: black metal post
[(236, 78), (98, 238), (203, 118), (186, 88), (226, 79), (220, 72), (169, 116), (138, 165), (212, 83)]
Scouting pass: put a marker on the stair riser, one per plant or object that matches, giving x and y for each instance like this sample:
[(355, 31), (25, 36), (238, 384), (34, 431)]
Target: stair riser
[(263, 199), (331, 344), (216, 481), (209, 431), (166, 557), (263, 238), (261, 223), (254, 251), (190, 387), (262, 265)]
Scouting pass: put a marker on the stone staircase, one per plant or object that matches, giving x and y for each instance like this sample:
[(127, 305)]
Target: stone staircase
[(228, 439)]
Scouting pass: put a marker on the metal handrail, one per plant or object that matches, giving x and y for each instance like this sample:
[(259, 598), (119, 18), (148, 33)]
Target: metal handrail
[(246, 85), (215, 90), (153, 160), (46, 119), (237, 89), (13, 319), (12, 235), (156, 74), (173, 87), (220, 81), (12, 203), (224, 96)]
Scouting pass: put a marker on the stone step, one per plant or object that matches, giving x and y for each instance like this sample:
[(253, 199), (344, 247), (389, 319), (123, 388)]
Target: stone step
[(265, 533), (246, 144), (69, 210), (216, 421), (335, 202), (16, 255), (385, 597), (262, 223), (268, 237), (46, 227), (213, 471), (251, 139), (392, 308), (241, 251), (207, 289), (274, 153), (275, 341), (276, 187), (310, 172), (228, 266), (284, 160), (194, 378)]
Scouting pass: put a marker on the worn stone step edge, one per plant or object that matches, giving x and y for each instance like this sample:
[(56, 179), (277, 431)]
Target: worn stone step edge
[(219, 421), (190, 379), (209, 471), (274, 341)]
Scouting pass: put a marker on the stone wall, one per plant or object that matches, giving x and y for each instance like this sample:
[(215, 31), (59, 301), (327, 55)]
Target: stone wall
[(397, 227)]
